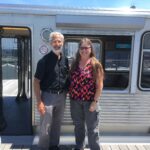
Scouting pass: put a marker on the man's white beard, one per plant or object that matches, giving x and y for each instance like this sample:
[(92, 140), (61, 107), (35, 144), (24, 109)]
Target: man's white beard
[(57, 51)]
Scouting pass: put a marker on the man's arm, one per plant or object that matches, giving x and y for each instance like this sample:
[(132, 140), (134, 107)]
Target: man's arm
[(40, 104)]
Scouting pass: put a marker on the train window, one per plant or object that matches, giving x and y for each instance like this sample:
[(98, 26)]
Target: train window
[(97, 50), (146, 41), (145, 72), (70, 50), (117, 50), (117, 61), (144, 82)]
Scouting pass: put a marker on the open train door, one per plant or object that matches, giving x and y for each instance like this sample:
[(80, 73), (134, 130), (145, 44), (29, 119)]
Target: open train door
[(15, 81)]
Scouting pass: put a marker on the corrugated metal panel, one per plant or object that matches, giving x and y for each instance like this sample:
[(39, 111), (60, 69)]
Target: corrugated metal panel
[(118, 110), (125, 108)]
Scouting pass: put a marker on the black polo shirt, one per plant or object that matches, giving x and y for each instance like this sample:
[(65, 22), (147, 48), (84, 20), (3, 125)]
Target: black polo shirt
[(52, 73)]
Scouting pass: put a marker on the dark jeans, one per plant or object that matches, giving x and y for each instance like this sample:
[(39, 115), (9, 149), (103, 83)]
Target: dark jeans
[(81, 115), (51, 120)]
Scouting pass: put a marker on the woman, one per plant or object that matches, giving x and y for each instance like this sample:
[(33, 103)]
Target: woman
[(86, 83)]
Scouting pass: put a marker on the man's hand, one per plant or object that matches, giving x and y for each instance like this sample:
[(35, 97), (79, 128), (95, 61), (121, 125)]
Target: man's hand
[(41, 107)]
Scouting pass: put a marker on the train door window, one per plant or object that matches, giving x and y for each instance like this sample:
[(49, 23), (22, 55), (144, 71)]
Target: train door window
[(144, 81), (10, 66), (117, 50)]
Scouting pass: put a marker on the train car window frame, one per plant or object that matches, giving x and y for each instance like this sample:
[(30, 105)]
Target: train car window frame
[(15, 33), (144, 73), (118, 79)]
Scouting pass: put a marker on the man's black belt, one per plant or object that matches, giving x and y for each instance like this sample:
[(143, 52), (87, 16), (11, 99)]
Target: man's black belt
[(53, 91)]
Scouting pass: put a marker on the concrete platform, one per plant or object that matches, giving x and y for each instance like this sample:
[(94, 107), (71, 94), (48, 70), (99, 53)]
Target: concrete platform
[(67, 142)]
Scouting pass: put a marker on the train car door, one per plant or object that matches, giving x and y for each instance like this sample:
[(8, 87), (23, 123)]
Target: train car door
[(15, 81)]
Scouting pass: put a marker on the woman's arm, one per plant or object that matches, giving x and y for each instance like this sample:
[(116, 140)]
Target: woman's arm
[(99, 87)]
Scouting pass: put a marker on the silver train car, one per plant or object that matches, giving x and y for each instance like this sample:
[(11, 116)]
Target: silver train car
[(121, 39)]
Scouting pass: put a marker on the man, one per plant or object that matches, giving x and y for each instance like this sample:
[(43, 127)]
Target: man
[(50, 84)]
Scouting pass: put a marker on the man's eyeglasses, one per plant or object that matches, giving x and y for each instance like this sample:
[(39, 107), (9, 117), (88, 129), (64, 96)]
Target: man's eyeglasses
[(86, 48)]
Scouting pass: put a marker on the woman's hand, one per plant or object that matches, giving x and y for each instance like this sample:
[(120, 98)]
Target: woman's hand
[(93, 106), (41, 107)]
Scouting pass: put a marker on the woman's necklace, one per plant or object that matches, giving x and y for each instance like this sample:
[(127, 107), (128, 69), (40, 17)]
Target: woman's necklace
[(83, 64)]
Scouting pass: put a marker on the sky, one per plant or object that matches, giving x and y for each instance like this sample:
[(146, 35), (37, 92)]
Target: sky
[(140, 4)]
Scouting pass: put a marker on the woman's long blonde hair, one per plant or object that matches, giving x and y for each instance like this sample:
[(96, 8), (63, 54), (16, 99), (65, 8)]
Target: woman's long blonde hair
[(97, 67)]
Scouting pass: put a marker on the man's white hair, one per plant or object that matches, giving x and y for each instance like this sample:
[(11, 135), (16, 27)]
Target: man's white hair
[(54, 34)]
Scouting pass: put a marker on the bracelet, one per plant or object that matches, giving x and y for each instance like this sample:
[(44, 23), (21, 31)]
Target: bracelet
[(95, 101)]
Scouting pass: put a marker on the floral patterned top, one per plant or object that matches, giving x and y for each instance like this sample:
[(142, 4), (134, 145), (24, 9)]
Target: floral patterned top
[(82, 85)]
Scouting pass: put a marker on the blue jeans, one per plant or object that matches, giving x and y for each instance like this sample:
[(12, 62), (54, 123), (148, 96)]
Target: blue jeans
[(81, 115), (50, 122)]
